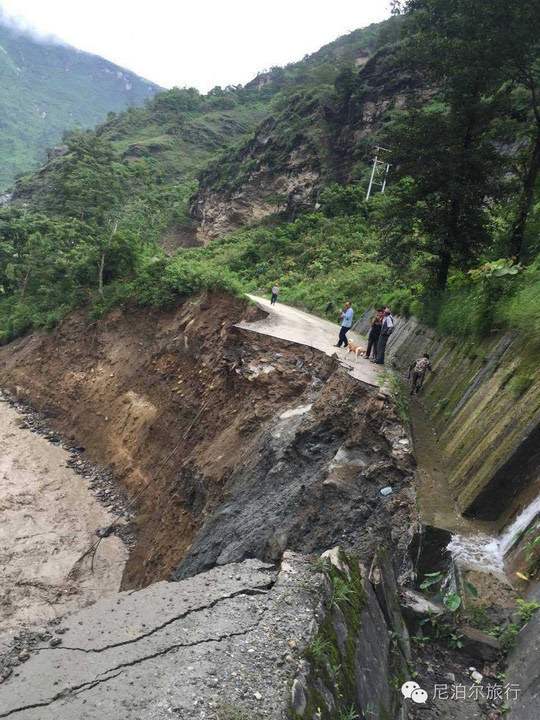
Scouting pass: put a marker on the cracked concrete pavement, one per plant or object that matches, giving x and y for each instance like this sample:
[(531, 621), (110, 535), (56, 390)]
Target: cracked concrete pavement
[(231, 636), (288, 323)]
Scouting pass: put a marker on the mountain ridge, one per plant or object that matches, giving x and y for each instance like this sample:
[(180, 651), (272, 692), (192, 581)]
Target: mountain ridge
[(46, 87)]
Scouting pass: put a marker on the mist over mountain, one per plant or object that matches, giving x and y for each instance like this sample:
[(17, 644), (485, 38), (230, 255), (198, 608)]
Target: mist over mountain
[(47, 87)]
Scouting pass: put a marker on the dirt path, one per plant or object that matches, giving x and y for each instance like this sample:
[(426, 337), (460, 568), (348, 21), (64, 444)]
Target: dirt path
[(288, 323), (48, 517)]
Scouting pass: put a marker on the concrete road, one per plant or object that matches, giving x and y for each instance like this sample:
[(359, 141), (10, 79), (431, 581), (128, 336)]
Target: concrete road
[(288, 323), (210, 646)]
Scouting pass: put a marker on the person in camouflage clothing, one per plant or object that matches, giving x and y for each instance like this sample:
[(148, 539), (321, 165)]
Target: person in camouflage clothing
[(419, 369)]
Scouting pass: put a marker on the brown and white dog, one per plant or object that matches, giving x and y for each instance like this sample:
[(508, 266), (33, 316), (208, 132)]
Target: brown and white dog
[(356, 349)]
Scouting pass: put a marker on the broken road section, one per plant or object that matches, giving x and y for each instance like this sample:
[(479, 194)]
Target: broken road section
[(228, 636)]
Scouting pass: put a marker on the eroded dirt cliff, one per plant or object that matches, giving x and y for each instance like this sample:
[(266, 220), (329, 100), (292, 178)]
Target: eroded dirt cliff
[(202, 409)]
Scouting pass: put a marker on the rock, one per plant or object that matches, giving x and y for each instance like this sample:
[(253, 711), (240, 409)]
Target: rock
[(55, 641), (340, 626), (373, 668), (386, 589), (386, 491), (416, 607), (428, 547), (326, 694), (298, 697), (334, 556), (478, 644), (523, 666)]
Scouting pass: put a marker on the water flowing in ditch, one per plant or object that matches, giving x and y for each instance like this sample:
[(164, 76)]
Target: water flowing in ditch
[(485, 553)]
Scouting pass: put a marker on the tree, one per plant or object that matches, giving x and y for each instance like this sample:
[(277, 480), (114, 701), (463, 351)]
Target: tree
[(455, 170), (93, 186), (90, 183), (447, 144), (24, 248), (519, 40), (474, 52)]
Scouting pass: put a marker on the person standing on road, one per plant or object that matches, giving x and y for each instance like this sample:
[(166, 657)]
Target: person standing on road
[(346, 317), (374, 333), (275, 291), (387, 328), (419, 368)]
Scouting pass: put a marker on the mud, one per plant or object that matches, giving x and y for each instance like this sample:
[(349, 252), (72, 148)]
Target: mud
[(48, 519)]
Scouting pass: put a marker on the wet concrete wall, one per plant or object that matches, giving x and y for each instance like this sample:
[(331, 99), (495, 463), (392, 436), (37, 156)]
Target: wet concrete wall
[(484, 401)]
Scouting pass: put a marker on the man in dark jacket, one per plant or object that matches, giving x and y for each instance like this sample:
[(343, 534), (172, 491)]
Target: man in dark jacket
[(387, 328), (374, 333)]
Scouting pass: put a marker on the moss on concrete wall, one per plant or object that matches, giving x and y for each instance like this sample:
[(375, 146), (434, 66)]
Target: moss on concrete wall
[(484, 401)]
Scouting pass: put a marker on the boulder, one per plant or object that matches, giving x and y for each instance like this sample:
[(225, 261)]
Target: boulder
[(416, 607), (478, 644)]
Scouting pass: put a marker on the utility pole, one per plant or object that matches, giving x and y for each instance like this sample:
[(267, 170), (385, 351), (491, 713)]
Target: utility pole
[(379, 171)]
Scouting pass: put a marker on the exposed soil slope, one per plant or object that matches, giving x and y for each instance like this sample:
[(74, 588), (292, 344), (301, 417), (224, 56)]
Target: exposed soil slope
[(139, 385)]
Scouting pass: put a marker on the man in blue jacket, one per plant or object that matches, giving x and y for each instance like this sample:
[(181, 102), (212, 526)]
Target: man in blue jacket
[(346, 317)]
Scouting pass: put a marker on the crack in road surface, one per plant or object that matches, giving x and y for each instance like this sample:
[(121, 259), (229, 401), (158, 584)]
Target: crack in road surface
[(244, 591), (84, 687)]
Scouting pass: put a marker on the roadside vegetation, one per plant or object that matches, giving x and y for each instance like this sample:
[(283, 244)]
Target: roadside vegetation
[(454, 240)]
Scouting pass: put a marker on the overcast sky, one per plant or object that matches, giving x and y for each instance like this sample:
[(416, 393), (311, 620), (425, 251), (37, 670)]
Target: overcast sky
[(201, 44)]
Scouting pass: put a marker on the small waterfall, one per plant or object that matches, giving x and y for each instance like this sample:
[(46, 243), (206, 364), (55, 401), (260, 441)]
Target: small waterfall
[(521, 523), (486, 553)]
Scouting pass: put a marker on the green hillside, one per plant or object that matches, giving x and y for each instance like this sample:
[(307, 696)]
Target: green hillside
[(180, 130), (168, 143), (278, 170), (46, 88)]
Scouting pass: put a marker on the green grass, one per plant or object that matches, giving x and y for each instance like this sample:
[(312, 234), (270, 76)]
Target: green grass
[(519, 385)]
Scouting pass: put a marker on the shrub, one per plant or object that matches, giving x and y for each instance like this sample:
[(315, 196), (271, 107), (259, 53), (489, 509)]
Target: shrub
[(519, 385)]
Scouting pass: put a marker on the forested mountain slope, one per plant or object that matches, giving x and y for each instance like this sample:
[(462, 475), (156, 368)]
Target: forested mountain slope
[(178, 132), (48, 87), (284, 164)]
